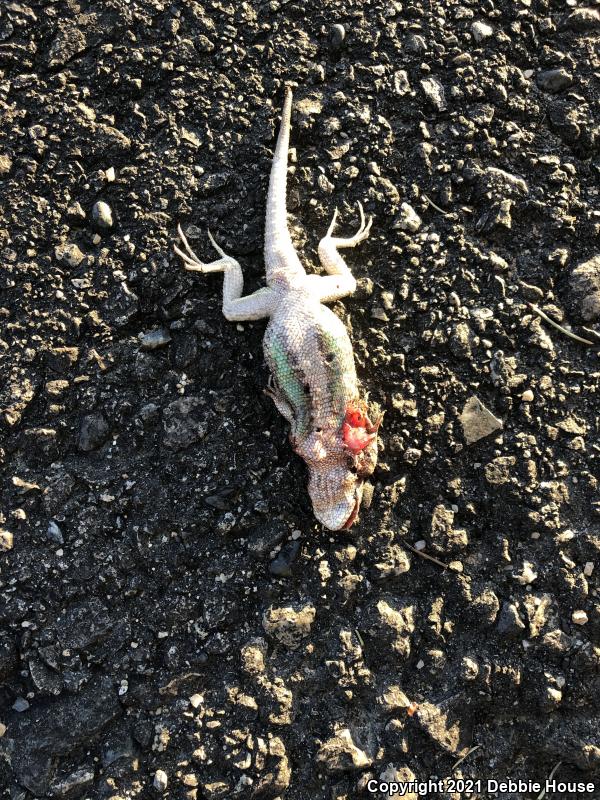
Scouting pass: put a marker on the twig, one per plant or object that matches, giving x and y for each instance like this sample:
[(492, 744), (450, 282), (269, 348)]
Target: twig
[(437, 208), (558, 327), (425, 555), (542, 794), (466, 755)]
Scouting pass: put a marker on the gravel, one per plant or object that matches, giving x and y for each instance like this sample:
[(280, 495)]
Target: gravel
[(168, 605)]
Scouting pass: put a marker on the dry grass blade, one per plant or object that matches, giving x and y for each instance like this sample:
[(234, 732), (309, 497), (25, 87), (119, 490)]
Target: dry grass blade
[(437, 208), (425, 555), (558, 327), (466, 755), (542, 794)]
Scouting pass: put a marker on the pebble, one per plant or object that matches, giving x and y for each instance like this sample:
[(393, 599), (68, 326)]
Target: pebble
[(6, 539), (481, 31), (435, 94), (155, 339), (588, 569), (5, 165), (579, 617), (2, 729), (408, 219), (54, 533), (282, 565), (585, 288), (69, 254), (196, 700), (161, 781), (337, 34), (527, 396), (401, 82), (341, 754), (93, 432), (21, 704), (477, 421), (102, 215), (289, 625), (554, 80)]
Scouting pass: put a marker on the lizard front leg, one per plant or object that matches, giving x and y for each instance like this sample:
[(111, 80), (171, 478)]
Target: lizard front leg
[(339, 282), (236, 308)]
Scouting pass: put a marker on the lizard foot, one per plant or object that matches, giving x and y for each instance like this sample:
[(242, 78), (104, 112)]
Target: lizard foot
[(359, 236), (193, 264)]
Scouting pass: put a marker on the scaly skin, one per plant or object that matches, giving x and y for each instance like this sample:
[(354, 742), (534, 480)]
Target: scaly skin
[(307, 349)]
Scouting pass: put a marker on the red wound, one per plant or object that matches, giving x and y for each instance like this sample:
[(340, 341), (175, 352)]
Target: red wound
[(357, 431)]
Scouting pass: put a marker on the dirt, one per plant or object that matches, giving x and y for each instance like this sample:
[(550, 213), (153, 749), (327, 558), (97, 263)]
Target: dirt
[(172, 620)]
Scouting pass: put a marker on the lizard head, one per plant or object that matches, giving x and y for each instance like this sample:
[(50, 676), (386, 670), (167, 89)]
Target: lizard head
[(338, 460)]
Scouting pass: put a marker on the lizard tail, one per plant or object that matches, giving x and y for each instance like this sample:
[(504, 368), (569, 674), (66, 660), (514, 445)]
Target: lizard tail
[(281, 260)]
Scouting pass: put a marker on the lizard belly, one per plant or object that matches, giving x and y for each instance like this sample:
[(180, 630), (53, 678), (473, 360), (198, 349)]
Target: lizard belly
[(309, 354)]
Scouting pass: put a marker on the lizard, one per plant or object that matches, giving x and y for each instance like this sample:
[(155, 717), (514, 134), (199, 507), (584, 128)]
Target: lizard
[(313, 380)]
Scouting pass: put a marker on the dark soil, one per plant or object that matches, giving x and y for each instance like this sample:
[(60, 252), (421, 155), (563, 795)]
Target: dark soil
[(167, 601)]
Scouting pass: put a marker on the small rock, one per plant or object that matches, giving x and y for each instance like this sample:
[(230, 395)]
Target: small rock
[(337, 34), (402, 776), (54, 533), (554, 80), (401, 82), (527, 396), (3, 729), (75, 212), (6, 540), (443, 728), (444, 538), (585, 286), (527, 575), (69, 254), (5, 165), (434, 92), (583, 19), (578, 617), (481, 31), (340, 754), (73, 784), (509, 620), (288, 624), (408, 219), (102, 215), (93, 432), (185, 422), (20, 705), (155, 339), (477, 421), (499, 470), (415, 44), (282, 565), (161, 781)]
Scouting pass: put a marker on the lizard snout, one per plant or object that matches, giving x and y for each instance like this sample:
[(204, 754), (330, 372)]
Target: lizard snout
[(336, 494)]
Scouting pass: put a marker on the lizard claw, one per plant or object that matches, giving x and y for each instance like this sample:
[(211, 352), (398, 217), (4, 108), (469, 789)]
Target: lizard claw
[(191, 261), (359, 236)]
